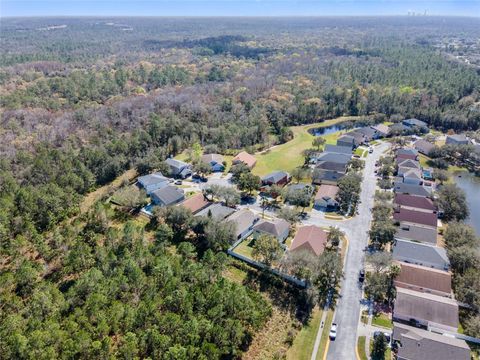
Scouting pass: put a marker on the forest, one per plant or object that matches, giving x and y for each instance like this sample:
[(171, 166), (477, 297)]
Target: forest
[(84, 100)]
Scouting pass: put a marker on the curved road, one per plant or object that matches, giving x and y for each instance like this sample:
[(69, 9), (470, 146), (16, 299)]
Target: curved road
[(347, 311)]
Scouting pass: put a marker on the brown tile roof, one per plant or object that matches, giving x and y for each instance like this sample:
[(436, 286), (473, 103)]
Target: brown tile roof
[(424, 279), (195, 203), (414, 202), (416, 217), (310, 238), (424, 307), (246, 158), (326, 191), (402, 157)]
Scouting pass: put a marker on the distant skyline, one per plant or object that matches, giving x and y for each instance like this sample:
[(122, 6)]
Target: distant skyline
[(10, 8)]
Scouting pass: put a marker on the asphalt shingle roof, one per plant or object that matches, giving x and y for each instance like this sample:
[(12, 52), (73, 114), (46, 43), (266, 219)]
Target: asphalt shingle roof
[(420, 254)]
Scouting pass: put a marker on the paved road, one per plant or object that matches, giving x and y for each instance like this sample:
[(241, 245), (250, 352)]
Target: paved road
[(348, 307)]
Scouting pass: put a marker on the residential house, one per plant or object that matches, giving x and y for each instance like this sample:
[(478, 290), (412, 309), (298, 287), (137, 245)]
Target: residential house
[(325, 197), (279, 178), (215, 161), (216, 211), (347, 141), (244, 220), (245, 158), (415, 123), (416, 218), (419, 344), (412, 176), (460, 139), (411, 189), (335, 157), (426, 310), (332, 166), (152, 182), (310, 238), (398, 129), (423, 146), (368, 133), (337, 149), (381, 130), (329, 177), (195, 203), (359, 137), (179, 168), (407, 164), (421, 254), (416, 203), (168, 195), (277, 228), (417, 234), (423, 279), (406, 153)]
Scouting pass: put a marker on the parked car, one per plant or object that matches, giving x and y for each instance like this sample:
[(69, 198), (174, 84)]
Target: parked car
[(361, 276), (333, 332), (178, 182), (370, 150), (387, 336)]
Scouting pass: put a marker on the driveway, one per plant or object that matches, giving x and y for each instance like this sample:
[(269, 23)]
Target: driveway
[(347, 312)]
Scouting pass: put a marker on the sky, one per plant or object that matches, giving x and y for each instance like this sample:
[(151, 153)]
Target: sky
[(237, 7)]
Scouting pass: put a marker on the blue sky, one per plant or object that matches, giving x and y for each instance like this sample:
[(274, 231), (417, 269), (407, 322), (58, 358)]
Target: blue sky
[(236, 7)]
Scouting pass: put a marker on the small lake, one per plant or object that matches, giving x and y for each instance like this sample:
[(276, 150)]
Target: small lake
[(470, 183), (326, 130)]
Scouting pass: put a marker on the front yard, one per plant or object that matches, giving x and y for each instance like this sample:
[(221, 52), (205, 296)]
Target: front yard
[(382, 320)]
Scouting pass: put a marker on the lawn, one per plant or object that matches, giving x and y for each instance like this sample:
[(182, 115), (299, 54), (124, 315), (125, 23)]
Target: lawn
[(245, 248), (289, 155), (361, 348), (235, 274), (325, 333), (302, 346), (382, 320)]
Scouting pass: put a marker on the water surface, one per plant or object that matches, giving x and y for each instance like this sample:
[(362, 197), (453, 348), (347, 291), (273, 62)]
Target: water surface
[(470, 183)]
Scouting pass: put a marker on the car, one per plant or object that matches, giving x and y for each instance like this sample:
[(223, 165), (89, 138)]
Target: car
[(370, 150), (361, 276), (196, 176), (387, 336), (178, 182), (333, 331)]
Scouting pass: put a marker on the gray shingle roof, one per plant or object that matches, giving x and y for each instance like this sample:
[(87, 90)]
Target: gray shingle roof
[(275, 177), (423, 146), (243, 220), (330, 165), (414, 122), (338, 149), (151, 179), (420, 254), (169, 194), (334, 157), (417, 190), (217, 211), (176, 164), (417, 233), (275, 227), (320, 175)]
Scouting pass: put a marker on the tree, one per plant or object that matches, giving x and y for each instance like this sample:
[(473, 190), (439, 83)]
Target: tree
[(238, 170), (299, 173), (382, 233), (288, 214), (440, 175), (467, 288), (335, 235), (179, 218), (267, 249), (453, 202), (298, 197), (349, 192), (219, 235), (318, 141), (202, 168), (249, 182), (459, 234), (379, 347), (328, 276), (131, 197), (356, 164)]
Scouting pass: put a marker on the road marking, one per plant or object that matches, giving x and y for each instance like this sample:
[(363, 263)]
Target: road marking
[(326, 349), (356, 349)]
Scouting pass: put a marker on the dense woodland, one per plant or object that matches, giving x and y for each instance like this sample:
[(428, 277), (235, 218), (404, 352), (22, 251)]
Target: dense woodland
[(84, 100)]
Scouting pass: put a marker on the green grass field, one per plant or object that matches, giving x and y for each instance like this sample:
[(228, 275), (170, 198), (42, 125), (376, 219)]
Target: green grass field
[(361, 348), (245, 247), (325, 333), (302, 346), (382, 320), (289, 155)]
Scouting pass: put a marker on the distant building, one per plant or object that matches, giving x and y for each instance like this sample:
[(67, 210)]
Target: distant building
[(421, 254), (368, 133), (168, 195), (329, 177), (245, 158), (332, 166), (335, 157), (419, 344), (152, 182), (337, 149), (215, 161), (279, 178), (411, 123), (310, 238), (179, 168), (381, 130), (423, 146), (347, 141), (325, 197), (460, 139), (426, 310)]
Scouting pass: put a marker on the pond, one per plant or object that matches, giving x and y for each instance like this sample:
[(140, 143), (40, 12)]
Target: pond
[(470, 183), (326, 130)]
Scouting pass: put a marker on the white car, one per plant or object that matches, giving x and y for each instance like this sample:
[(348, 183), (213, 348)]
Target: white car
[(333, 332)]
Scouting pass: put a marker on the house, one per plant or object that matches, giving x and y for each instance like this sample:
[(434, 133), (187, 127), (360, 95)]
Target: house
[(416, 203), (417, 234), (335, 157), (277, 228), (423, 279), (179, 168), (244, 220), (419, 344), (460, 139), (168, 195), (216, 211), (310, 238), (152, 182), (398, 129), (359, 137), (331, 177), (415, 123), (407, 153), (325, 197), (421, 254), (347, 141), (333, 166), (423, 146), (245, 158), (410, 189), (408, 164), (279, 178), (381, 130), (413, 176), (417, 218), (426, 310), (368, 133), (215, 161), (195, 203), (337, 149)]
